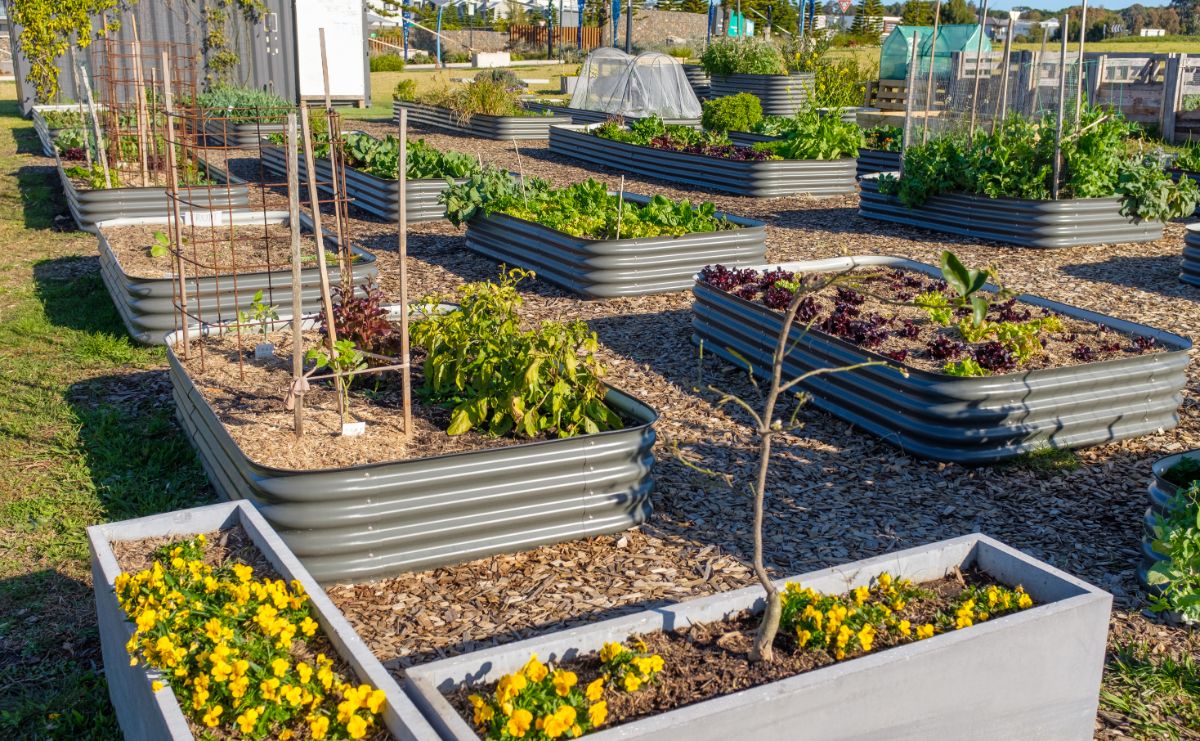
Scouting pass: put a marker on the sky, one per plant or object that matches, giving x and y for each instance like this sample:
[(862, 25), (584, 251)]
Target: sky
[(1060, 4)]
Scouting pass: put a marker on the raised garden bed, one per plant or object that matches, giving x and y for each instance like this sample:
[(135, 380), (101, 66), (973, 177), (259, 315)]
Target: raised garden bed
[(372, 194), (147, 304), (502, 128), (698, 79), (1190, 272), (582, 116), (1030, 674), (970, 420), (88, 206), (1176, 173), (605, 268), (759, 179), (1070, 222), (372, 519), (1161, 491), (146, 714), (46, 134), (868, 161), (244, 135), (780, 95)]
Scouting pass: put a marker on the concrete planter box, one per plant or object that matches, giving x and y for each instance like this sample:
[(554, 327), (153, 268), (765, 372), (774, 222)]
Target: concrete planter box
[(698, 79), (89, 207), (374, 520), (780, 95), (582, 116), (1031, 674), (1071, 222), (765, 179), (244, 136), (372, 194), (1190, 272), (963, 420), (502, 128), (597, 268), (147, 305), (153, 716), (486, 59)]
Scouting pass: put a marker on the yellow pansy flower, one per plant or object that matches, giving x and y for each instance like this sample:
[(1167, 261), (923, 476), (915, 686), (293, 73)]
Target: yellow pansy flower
[(595, 690), (518, 725)]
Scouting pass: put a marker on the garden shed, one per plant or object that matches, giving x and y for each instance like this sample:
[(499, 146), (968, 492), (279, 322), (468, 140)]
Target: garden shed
[(897, 49)]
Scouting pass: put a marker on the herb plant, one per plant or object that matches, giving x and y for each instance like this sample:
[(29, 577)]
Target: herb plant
[(1188, 158), (1177, 536), (652, 132), (258, 312), (243, 105), (343, 358), (500, 379), (162, 246), (750, 56), (732, 113), (381, 158)]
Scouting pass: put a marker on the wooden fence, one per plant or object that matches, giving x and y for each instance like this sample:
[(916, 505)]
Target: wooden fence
[(536, 36)]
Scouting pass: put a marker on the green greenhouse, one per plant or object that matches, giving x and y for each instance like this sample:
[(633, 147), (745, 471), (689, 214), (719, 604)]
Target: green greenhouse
[(897, 48)]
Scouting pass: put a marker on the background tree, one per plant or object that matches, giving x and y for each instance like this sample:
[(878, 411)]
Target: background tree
[(868, 18), (1189, 15), (958, 11), (917, 13)]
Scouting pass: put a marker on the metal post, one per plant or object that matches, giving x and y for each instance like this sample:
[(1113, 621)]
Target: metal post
[(910, 87), (629, 28), (801, 11), (1002, 101), (616, 20), (437, 40), (1079, 73), (978, 57), (1062, 94), (406, 373), (404, 32), (549, 35), (579, 27), (937, 17)]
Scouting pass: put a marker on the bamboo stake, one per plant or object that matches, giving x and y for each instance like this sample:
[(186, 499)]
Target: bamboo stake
[(139, 91), (402, 247), (1079, 72), (334, 169), (909, 86), (937, 19), (173, 197), (1002, 101), (1062, 94), (1037, 76), (521, 168), (91, 104), (87, 150), (293, 191), (322, 271), (620, 205), (978, 63)]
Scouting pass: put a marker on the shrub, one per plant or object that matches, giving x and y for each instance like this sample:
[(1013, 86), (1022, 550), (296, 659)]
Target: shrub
[(503, 77), (751, 56), (681, 52), (839, 84), (732, 113), (812, 136), (387, 63), (405, 90)]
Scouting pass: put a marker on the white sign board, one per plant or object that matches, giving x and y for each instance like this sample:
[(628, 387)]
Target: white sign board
[(343, 24)]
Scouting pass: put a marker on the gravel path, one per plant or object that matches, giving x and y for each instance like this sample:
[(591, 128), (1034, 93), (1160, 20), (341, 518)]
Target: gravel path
[(835, 494)]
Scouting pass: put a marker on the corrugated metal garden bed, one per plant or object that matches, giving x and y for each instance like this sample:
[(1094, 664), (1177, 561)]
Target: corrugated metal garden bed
[(780, 95), (502, 128), (147, 305), (370, 193), (583, 116), (868, 161), (1071, 222), (763, 179), (964, 420), (698, 79), (46, 134), (604, 268), (1190, 270), (89, 207), (373, 520), (224, 133)]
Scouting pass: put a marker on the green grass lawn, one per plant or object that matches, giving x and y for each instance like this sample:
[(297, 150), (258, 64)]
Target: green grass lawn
[(87, 435)]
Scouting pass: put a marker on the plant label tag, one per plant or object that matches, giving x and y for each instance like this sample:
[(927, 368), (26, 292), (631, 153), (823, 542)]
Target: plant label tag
[(354, 429), (264, 351), (203, 218)]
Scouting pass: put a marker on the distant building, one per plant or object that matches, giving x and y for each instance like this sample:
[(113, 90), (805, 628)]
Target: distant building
[(1152, 32)]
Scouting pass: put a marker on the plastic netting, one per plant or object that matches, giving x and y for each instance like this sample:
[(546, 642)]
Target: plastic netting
[(648, 84)]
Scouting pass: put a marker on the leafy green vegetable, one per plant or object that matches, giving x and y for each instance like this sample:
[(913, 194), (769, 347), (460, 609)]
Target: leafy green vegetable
[(732, 113), (884, 138), (500, 379), (381, 158), (582, 210), (244, 105), (1177, 536), (751, 55), (813, 136)]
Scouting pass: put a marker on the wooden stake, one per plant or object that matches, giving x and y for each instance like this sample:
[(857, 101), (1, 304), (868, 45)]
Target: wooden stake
[(620, 205), (1002, 101), (173, 198), (1037, 76), (1079, 73), (344, 262), (1062, 94), (910, 85), (87, 150), (402, 249), (315, 201), (521, 169), (978, 63), (293, 191), (91, 104), (139, 91), (937, 20)]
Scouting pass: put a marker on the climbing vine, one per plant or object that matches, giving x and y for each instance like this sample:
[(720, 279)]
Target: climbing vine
[(49, 27)]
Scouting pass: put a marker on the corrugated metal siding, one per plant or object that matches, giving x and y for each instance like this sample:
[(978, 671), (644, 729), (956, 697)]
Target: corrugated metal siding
[(373, 195), (371, 521), (780, 95), (266, 50), (91, 206), (147, 305), (1071, 222), (486, 127), (617, 267), (765, 179), (581, 116), (871, 161), (698, 79), (246, 136), (1190, 272), (964, 420)]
